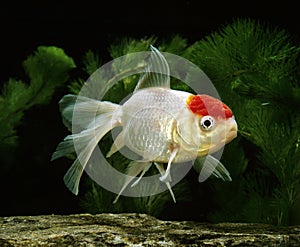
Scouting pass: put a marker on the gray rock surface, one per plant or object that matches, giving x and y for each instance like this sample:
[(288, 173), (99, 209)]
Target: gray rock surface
[(137, 230)]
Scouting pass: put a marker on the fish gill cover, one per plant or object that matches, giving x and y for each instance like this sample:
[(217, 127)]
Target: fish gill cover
[(255, 70)]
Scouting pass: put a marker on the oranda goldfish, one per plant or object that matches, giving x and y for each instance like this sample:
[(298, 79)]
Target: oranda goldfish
[(161, 125)]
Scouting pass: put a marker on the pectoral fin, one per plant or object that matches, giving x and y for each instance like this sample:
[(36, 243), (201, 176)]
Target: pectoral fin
[(209, 165)]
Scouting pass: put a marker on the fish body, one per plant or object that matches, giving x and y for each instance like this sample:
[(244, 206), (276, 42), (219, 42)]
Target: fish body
[(149, 120), (156, 120), (159, 124)]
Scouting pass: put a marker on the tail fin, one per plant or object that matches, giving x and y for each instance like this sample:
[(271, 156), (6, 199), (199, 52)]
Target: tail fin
[(84, 107), (84, 142)]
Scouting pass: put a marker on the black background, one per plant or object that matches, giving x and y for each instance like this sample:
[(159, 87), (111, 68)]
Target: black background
[(77, 26), (33, 184)]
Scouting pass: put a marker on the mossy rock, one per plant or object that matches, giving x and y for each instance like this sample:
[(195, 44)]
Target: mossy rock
[(137, 230)]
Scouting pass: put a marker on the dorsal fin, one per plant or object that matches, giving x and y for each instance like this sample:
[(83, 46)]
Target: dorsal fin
[(157, 72)]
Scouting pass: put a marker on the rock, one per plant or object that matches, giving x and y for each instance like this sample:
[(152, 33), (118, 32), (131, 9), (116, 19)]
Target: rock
[(137, 230)]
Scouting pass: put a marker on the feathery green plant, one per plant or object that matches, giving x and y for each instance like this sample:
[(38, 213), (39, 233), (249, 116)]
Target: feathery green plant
[(254, 67), (46, 69)]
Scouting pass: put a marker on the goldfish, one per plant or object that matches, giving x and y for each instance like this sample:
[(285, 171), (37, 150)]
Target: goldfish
[(163, 126)]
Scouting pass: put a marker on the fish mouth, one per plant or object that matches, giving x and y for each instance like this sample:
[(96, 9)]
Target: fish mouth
[(231, 129), (212, 147), (232, 132)]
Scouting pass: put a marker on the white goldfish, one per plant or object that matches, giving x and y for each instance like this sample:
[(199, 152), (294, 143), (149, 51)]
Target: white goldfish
[(161, 125)]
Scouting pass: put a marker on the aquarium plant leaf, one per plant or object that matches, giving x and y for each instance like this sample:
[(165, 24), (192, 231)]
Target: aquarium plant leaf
[(255, 69), (47, 69)]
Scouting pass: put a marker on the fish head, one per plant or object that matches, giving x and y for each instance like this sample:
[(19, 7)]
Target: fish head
[(209, 126)]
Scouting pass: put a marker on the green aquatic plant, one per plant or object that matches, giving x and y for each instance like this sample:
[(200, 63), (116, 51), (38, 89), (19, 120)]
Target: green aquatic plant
[(91, 62), (26, 127), (47, 69), (254, 68)]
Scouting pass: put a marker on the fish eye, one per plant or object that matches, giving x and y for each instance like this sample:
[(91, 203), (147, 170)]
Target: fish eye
[(207, 122)]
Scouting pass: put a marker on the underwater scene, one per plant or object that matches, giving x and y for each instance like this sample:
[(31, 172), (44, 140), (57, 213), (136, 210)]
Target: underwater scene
[(253, 65)]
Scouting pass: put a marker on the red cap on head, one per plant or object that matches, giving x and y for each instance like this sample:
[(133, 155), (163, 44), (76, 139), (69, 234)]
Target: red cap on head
[(204, 105)]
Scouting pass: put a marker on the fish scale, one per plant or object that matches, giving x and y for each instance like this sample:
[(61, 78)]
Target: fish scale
[(166, 99), (146, 133), (147, 119)]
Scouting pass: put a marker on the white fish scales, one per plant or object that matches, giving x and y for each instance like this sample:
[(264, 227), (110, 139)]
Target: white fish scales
[(148, 118)]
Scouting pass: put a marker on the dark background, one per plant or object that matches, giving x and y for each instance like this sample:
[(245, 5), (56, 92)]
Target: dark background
[(32, 184)]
